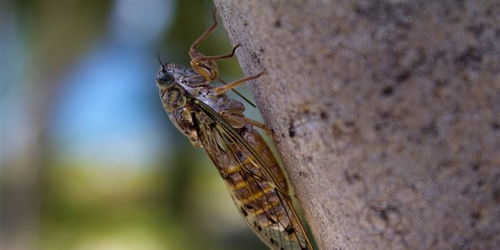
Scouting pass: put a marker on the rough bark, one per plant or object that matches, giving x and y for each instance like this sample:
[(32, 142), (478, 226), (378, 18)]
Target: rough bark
[(386, 114)]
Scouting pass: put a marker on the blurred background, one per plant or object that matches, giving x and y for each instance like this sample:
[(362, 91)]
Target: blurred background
[(88, 157)]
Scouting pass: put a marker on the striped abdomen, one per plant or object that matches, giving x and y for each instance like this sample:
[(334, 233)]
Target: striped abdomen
[(258, 198), (266, 155)]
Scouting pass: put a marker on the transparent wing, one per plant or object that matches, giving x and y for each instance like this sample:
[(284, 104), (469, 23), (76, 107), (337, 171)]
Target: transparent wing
[(266, 208)]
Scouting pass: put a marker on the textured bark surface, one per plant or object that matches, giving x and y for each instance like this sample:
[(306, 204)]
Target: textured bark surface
[(386, 114)]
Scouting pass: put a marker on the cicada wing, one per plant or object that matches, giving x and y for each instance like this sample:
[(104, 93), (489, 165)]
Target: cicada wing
[(263, 205), (229, 132)]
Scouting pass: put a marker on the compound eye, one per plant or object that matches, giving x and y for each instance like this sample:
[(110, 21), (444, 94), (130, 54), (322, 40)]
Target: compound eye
[(164, 78)]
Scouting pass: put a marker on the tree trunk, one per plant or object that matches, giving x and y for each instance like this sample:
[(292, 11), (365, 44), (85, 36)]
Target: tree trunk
[(386, 114)]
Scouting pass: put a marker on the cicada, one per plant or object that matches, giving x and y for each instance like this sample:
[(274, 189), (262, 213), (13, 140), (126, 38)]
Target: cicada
[(210, 119)]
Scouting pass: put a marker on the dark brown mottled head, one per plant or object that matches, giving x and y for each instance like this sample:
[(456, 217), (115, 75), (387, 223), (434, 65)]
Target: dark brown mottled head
[(170, 73), (169, 80)]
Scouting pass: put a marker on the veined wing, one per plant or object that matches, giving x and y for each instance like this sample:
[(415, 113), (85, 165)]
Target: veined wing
[(266, 208), (228, 131)]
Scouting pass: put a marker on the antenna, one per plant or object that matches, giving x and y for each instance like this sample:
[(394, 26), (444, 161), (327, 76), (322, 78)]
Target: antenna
[(159, 60)]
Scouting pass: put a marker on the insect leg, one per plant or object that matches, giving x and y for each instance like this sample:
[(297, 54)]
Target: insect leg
[(220, 57), (223, 89), (203, 37), (206, 65), (259, 125), (254, 123), (239, 94)]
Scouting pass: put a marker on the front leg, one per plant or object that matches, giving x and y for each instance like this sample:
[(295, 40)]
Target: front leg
[(192, 50), (183, 120)]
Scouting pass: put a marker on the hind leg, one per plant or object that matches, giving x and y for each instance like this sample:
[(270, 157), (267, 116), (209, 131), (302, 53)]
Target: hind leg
[(223, 89)]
